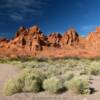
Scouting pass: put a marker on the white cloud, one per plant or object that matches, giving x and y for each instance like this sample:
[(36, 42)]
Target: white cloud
[(18, 9)]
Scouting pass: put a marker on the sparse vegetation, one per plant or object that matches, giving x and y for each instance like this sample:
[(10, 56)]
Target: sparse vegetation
[(48, 74), (53, 85), (29, 80), (93, 68), (78, 85), (32, 84), (67, 76), (13, 86)]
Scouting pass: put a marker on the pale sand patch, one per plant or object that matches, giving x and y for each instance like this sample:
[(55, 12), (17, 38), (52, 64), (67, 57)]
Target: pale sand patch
[(7, 71)]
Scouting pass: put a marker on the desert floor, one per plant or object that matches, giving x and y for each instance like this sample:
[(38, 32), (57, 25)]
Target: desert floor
[(8, 71)]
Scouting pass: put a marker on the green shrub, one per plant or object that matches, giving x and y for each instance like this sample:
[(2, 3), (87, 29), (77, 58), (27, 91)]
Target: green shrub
[(53, 85), (37, 73), (52, 71), (67, 76), (93, 68), (30, 80), (32, 83), (33, 79), (78, 85), (13, 86)]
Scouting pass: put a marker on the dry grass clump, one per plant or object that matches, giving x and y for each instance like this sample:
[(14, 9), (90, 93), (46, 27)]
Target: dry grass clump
[(93, 68), (53, 85), (78, 85), (13, 86), (67, 76)]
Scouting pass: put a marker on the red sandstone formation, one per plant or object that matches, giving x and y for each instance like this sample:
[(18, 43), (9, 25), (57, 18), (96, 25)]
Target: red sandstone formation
[(29, 39), (93, 39), (32, 42), (70, 38), (54, 39), (3, 42)]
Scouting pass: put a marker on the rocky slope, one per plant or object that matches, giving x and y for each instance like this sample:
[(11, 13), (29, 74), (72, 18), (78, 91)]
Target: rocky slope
[(32, 42)]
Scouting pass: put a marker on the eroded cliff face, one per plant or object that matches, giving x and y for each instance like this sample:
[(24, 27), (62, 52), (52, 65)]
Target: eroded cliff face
[(3, 42), (70, 38), (94, 39), (31, 39), (32, 42), (54, 39)]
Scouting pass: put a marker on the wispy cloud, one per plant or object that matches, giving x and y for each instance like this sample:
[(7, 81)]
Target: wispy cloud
[(19, 9), (16, 17), (88, 27)]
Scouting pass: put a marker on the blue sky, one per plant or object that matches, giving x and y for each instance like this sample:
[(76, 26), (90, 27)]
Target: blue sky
[(49, 15)]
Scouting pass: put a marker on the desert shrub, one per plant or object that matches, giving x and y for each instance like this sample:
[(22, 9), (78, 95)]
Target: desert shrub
[(33, 79), (93, 68), (52, 71), (29, 80), (67, 76), (32, 83), (14, 62), (78, 85), (4, 60), (53, 85), (13, 86), (37, 73)]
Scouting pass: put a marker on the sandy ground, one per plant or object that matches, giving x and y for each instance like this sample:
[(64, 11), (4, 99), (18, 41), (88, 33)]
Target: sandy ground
[(8, 71)]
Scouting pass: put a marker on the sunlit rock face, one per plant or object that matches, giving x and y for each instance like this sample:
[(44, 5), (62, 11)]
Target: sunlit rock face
[(70, 38), (29, 39), (94, 39), (32, 42)]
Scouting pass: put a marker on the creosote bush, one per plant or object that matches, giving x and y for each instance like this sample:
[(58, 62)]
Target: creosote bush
[(93, 68), (13, 86), (53, 85), (78, 85), (67, 76), (30, 80), (32, 83)]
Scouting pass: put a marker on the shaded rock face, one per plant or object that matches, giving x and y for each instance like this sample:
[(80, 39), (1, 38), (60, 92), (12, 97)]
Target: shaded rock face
[(54, 39), (21, 31), (70, 38), (3, 42)]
